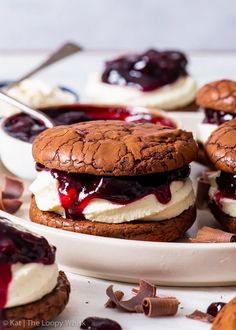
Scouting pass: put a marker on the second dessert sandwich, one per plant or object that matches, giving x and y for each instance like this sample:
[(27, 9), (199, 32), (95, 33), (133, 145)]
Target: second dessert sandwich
[(221, 150), (218, 99), (115, 179), (32, 290)]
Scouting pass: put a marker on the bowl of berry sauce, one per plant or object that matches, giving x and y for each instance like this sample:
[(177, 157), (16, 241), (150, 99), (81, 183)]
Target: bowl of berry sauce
[(17, 132)]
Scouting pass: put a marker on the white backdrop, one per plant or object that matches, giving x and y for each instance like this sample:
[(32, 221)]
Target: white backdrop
[(118, 24)]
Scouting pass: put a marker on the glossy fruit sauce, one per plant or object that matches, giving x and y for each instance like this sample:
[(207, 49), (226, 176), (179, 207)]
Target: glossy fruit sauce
[(147, 71), (98, 323), (214, 308), (77, 190), (227, 185), (17, 245), (216, 117), (26, 128)]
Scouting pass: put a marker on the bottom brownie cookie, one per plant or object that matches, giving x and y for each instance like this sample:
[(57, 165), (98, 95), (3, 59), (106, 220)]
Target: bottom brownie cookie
[(228, 222), (160, 231), (35, 314)]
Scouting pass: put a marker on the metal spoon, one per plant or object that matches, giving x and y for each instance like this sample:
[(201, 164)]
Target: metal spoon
[(66, 50), (63, 52), (26, 109)]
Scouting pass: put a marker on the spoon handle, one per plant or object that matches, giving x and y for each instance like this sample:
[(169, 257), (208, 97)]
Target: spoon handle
[(63, 52), (24, 108)]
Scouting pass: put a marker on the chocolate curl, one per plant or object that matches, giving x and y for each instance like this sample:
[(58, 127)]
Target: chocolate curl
[(135, 291), (211, 235), (139, 309), (203, 186), (201, 316), (156, 306), (110, 304), (13, 188), (146, 290), (10, 194)]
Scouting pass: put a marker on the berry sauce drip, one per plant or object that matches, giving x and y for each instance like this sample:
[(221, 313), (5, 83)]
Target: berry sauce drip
[(98, 323), (227, 186), (214, 308), (26, 128), (19, 246), (147, 71), (5, 279), (77, 190), (217, 117)]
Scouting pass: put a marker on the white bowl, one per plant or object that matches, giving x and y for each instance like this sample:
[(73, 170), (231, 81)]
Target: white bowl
[(16, 155)]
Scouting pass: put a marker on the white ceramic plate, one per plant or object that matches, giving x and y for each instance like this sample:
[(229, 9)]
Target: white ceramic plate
[(177, 264)]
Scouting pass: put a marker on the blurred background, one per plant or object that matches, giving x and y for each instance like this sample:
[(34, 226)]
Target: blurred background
[(118, 24)]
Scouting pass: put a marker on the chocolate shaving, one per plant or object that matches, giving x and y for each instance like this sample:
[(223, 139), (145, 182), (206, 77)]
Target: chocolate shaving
[(211, 235), (145, 290), (202, 197), (111, 304), (201, 316), (139, 309), (10, 194), (135, 290), (156, 306)]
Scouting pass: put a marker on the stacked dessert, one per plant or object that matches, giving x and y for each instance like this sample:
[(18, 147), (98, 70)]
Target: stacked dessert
[(156, 79), (221, 151), (218, 99), (31, 288), (115, 179)]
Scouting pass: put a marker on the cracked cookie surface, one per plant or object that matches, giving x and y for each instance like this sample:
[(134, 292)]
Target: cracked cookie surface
[(221, 147), (114, 148), (218, 95)]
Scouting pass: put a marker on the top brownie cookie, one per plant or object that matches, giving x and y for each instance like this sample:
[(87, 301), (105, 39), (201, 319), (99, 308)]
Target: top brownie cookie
[(114, 148), (221, 147), (218, 95)]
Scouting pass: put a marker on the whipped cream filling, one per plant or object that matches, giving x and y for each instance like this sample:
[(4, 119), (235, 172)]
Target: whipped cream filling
[(147, 208), (180, 93), (30, 282), (36, 94), (45, 190), (227, 205), (204, 131)]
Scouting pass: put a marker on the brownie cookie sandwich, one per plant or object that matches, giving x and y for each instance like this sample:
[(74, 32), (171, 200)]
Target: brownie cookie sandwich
[(115, 179), (218, 100), (32, 290), (221, 150), (154, 79)]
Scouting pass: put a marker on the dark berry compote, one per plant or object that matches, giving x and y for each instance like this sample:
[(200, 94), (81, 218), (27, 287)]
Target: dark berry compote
[(18, 245), (26, 128), (98, 323), (226, 183), (146, 71), (77, 190), (214, 308), (216, 117)]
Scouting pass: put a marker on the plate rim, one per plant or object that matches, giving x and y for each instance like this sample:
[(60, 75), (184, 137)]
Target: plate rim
[(111, 240)]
